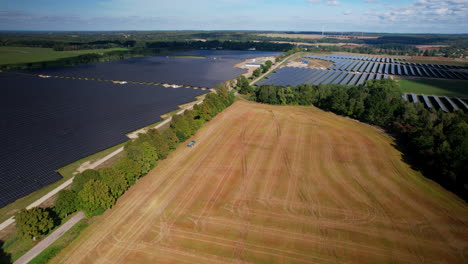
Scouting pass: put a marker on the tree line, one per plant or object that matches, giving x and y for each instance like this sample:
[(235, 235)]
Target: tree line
[(94, 191), (217, 44), (433, 141)]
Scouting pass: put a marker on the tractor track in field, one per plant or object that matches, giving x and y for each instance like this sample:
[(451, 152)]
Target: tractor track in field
[(278, 184)]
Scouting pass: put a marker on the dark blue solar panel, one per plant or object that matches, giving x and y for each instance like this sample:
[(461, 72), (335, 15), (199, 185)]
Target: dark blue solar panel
[(339, 78), (348, 77), (332, 78), (362, 79), (354, 79), (50, 123)]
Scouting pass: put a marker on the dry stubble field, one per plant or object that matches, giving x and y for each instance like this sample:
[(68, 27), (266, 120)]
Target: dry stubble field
[(280, 184)]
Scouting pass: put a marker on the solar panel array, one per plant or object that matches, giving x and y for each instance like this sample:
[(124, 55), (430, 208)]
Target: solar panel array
[(291, 76), (49, 123), (443, 103), (392, 66), (216, 67)]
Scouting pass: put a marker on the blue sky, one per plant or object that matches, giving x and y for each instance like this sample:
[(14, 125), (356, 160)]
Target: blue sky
[(401, 16)]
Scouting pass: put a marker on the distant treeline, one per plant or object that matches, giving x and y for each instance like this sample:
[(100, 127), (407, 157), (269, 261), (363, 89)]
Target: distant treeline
[(84, 58), (433, 141), (392, 44), (151, 49), (216, 44), (94, 191)]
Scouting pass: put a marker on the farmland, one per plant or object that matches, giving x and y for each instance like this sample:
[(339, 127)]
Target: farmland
[(313, 36), (12, 55), (436, 87), (280, 184)]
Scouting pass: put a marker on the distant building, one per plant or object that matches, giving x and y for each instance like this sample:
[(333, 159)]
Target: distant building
[(254, 63)]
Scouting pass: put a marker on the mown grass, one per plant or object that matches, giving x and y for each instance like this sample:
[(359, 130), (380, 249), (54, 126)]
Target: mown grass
[(14, 55), (61, 243), (456, 88)]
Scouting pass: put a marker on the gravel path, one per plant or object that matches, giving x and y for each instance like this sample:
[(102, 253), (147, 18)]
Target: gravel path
[(36, 250)]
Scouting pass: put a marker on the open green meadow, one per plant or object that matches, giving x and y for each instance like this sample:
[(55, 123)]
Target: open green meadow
[(13, 55), (435, 87)]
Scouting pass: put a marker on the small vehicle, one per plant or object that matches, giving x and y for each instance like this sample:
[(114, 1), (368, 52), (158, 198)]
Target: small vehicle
[(191, 143)]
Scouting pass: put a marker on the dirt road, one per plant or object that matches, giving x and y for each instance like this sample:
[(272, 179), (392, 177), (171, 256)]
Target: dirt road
[(280, 184)]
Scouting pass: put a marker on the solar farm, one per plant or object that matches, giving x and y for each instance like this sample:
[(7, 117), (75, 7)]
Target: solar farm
[(356, 70), (290, 76), (443, 103), (53, 122), (179, 69), (380, 65)]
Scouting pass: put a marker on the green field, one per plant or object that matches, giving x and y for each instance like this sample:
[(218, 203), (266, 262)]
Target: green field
[(13, 55), (435, 87)]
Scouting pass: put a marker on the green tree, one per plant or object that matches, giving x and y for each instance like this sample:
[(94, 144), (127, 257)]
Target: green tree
[(115, 179), (243, 85), (95, 198), (130, 169), (159, 142), (82, 178), (181, 127), (171, 138), (33, 223), (257, 72), (66, 203), (143, 153)]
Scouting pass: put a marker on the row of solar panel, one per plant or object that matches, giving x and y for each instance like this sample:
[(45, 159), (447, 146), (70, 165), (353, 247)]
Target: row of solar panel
[(396, 69), (50, 123), (290, 76), (443, 103), (335, 59), (366, 58)]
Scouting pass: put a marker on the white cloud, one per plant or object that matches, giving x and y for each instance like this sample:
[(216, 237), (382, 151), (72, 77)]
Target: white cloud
[(328, 2), (426, 13), (347, 12), (332, 2)]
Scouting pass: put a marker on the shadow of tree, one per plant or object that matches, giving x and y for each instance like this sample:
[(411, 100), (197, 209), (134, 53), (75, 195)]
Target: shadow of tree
[(5, 258)]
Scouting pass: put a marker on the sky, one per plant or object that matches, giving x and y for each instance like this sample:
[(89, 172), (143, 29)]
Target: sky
[(392, 16)]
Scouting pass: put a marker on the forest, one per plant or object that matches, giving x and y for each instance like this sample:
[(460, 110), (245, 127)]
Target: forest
[(432, 141)]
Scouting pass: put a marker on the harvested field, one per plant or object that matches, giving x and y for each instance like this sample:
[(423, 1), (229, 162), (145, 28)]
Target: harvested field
[(280, 184), (313, 36)]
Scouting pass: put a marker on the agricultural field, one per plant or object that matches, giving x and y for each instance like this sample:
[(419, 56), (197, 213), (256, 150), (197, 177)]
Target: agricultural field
[(12, 55), (280, 184), (311, 36), (451, 88)]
